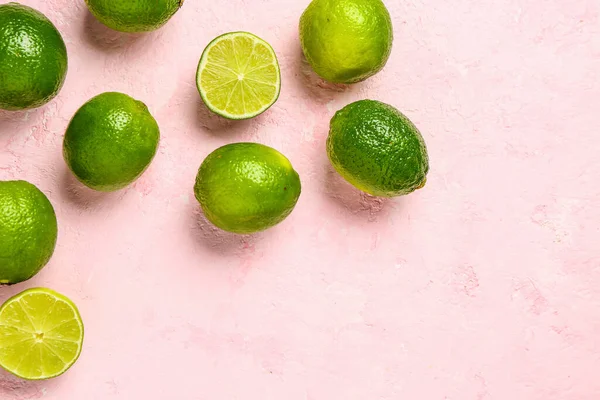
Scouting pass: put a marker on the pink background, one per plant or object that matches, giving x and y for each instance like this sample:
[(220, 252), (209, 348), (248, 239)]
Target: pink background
[(484, 285)]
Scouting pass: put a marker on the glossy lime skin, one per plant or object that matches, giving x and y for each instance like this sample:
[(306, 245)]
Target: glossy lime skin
[(346, 41), (377, 149), (247, 187), (134, 15), (110, 141), (28, 231), (33, 58)]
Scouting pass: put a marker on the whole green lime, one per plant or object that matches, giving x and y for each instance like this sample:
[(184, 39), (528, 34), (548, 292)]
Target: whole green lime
[(377, 149), (247, 187), (346, 41), (134, 15), (33, 58), (28, 231), (110, 141)]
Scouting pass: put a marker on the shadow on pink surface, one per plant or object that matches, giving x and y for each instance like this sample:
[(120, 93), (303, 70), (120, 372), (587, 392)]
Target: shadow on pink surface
[(349, 198), (219, 241), (215, 125), (16, 388), (100, 36), (316, 87), (14, 117), (86, 198)]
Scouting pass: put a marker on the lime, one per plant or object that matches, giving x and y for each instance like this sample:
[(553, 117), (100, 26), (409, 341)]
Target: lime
[(346, 41), (377, 149), (134, 15), (28, 231), (246, 187), (33, 58), (41, 334), (238, 76), (110, 141)]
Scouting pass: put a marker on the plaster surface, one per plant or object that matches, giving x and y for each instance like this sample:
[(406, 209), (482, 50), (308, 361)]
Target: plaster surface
[(484, 285)]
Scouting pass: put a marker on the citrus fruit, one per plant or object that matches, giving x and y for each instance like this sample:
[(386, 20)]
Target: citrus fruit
[(41, 334), (246, 187), (28, 231), (346, 41), (33, 58), (110, 141), (377, 149), (134, 15), (238, 76)]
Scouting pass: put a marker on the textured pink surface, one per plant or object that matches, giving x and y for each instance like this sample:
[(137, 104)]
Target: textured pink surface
[(484, 285)]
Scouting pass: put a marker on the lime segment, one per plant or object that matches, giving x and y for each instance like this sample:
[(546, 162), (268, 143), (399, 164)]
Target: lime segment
[(41, 334), (238, 76)]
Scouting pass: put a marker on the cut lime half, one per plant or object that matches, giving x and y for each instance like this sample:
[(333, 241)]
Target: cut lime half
[(41, 334), (238, 76)]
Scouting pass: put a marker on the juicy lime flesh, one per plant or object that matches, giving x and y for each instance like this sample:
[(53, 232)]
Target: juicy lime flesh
[(134, 15), (28, 231), (110, 141), (247, 187), (238, 76), (377, 149), (33, 58), (41, 334), (346, 41)]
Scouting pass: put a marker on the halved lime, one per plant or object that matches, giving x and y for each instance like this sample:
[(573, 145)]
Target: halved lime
[(238, 76), (41, 334)]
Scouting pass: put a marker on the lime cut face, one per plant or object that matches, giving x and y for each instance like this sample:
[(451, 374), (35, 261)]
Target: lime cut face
[(41, 334), (238, 76)]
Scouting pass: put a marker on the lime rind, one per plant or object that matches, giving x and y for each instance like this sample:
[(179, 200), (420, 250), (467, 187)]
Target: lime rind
[(30, 330), (133, 16), (28, 231), (346, 41), (246, 188), (206, 69)]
